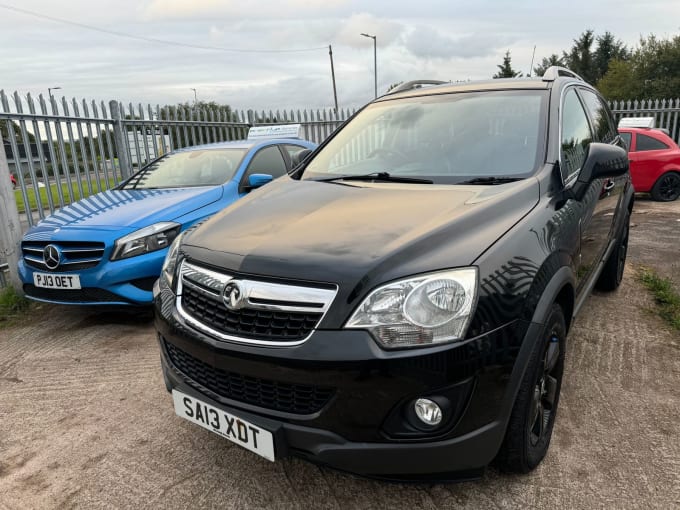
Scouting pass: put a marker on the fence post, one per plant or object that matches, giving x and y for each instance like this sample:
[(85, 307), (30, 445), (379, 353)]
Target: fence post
[(120, 140), (10, 227)]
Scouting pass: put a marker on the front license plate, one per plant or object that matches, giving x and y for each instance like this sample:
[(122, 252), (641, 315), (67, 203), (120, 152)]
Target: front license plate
[(56, 281), (227, 425)]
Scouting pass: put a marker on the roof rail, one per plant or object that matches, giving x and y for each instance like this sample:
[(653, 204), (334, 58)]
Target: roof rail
[(554, 72), (415, 84)]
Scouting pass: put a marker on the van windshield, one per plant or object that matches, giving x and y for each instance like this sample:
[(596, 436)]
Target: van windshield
[(445, 138)]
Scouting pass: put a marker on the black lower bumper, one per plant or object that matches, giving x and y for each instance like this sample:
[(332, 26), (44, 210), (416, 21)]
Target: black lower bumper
[(362, 427)]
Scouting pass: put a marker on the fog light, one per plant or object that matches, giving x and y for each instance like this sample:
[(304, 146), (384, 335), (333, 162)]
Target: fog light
[(428, 411)]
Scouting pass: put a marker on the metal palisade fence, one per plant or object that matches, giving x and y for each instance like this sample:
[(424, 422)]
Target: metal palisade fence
[(61, 151), (664, 111)]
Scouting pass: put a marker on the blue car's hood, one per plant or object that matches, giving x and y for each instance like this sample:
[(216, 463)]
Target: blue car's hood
[(131, 209)]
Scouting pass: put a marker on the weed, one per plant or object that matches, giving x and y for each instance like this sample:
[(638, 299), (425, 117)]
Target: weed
[(667, 299), (12, 304)]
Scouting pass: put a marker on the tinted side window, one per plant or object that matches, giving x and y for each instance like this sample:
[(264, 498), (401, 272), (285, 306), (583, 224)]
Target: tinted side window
[(626, 137), (576, 135), (647, 143), (292, 150), (605, 131), (267, 161)]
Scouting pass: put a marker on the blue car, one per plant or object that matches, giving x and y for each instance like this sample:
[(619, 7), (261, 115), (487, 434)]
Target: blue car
[(108, 249)]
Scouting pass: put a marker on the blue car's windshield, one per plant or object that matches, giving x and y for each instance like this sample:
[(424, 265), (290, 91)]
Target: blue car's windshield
[(208, 167)]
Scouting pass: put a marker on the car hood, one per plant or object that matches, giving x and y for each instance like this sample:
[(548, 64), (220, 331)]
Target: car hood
[(357, 234), (130, 209)]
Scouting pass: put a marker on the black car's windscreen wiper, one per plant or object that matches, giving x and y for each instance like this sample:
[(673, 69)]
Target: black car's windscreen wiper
[(491, 180), (375, 176)]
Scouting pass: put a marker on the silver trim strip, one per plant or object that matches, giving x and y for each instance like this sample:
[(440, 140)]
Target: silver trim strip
[(272, 297)]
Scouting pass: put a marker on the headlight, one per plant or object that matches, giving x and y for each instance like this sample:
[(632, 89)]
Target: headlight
[(422, 310), (152, 238), (171, 260)]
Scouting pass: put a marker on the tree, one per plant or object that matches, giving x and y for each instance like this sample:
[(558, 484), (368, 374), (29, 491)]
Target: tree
[(580, 57), (608, 49), (394, 85), (552, 60), (652, 71), (4, 131), (202, 110), (505, 69)]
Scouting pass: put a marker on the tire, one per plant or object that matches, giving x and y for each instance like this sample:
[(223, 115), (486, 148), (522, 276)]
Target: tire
[(533, 415), (612, 273), (667, 187)]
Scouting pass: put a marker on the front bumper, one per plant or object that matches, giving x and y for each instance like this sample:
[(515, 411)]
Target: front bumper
[(363, 426), (122, 282)]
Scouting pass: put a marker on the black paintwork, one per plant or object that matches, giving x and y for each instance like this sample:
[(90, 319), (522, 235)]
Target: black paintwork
[(534, 241)]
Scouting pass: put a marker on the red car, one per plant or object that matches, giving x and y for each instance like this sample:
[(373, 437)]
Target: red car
[(654, 162)]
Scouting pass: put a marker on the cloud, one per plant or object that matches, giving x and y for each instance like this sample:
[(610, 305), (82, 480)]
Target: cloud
[(350, 30), (428, 43), (211, 9)]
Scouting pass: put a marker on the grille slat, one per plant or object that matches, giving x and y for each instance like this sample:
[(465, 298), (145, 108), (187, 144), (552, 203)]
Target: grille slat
[(76, 255), (279, 396), (248, 322)]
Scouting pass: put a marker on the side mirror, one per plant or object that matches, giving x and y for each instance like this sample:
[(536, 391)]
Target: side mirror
[(602, 161), (300, 156), (257, 180)]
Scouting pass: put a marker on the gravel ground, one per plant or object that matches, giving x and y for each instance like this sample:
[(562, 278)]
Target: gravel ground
[(85, 420)]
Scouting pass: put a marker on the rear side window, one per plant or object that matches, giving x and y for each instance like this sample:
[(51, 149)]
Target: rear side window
[(576, 135), (647, 143), (605, 131), (267, 161)]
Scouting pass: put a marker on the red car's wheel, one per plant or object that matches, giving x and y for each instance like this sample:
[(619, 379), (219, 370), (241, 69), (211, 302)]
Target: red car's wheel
[(667, 187)]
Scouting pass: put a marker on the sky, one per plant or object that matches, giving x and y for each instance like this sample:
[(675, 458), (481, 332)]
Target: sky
[(429, 39)]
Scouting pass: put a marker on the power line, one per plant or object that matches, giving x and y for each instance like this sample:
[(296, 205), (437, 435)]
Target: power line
[(150, 39)]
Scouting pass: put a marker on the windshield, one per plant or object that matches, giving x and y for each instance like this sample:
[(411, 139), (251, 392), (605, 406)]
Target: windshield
[(447, 138), (208, 167)]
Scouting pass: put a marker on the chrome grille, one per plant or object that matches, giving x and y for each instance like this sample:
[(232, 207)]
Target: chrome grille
[(267, 313), (76, 255)]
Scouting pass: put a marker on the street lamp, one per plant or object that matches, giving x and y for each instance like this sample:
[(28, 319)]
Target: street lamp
[(194, 95), (375, 62), (49, 91)]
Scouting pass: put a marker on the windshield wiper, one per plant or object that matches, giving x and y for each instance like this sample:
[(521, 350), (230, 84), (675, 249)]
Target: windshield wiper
[(491, 180), (375, 176)]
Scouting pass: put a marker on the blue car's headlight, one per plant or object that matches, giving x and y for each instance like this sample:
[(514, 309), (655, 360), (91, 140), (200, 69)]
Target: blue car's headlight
[(421, 310), (145, 240)]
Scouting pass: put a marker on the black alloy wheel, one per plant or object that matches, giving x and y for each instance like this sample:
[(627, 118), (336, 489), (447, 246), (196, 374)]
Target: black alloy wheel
[(530, 427), (542, 413), (667, 187), (612, 272), (621, 255)]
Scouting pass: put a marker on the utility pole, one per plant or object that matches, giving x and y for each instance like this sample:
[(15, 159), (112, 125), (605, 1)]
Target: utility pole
[(195, 101), (531, 68), (335, 92), (375, 61)]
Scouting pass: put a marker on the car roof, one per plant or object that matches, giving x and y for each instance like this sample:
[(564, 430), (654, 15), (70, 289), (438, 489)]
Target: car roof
[(244, 144), (476, 86)]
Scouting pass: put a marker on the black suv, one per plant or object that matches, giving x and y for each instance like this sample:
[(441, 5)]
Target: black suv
[(399, 305)]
